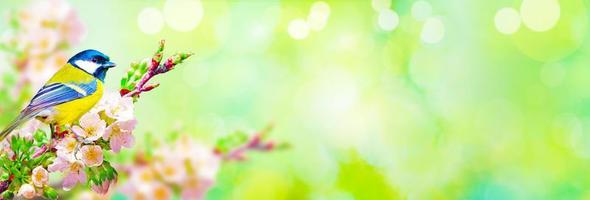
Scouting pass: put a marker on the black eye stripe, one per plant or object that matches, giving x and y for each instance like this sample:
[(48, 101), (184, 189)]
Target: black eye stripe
[(98, 59)]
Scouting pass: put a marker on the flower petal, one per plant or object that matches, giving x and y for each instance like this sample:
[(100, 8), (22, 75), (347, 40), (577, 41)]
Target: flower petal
[(88, 119), (82, 176), (128, 140), (116, 143), (79, 131), (70, 180), (59, 164)]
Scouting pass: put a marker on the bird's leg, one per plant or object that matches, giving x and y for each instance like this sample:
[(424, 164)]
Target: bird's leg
[(52, 129), (53, 133)]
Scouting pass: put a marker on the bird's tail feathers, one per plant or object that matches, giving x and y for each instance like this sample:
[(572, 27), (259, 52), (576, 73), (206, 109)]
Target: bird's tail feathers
[(22, 118)]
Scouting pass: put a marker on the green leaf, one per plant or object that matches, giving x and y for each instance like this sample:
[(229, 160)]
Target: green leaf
[(49, 193), (4, 176), (40, 136), (7, 194), (233, 140), (124, 82), (14, 23), (143, 67)]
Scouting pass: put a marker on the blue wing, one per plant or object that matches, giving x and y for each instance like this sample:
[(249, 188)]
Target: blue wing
[(58, 93), (51, 95)]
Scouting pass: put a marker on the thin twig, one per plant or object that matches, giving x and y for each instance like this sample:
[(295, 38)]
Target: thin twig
[(157, 67), (255, 143), (140, 87)]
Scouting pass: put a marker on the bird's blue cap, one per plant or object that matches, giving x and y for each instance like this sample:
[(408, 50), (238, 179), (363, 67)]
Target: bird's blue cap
[(93, 62), (88, 55)]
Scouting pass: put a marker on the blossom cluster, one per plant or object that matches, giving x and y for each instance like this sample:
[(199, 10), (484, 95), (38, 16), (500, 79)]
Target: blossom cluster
[(36, 42), (186, 168), (77, 151), (107, 127), (38, 38)]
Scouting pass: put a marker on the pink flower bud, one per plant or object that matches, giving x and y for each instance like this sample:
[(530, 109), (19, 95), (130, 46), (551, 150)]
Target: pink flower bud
[(104, 187), (269, 146), (123, 92), (27, 191), (150, 87)]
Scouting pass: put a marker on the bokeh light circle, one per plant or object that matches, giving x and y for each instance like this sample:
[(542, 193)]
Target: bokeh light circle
[(298, 29), (421, 10), (433, 30), (388, 20), (562, 39), (507, 20), (379, 5), (318, 15), (150, 21), (183, 15), (540, 15)]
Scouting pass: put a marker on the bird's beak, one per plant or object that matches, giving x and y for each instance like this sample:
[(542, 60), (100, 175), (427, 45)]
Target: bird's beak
[(109, 65)]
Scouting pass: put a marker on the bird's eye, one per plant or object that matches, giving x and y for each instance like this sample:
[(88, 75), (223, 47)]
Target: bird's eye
[(94, 60)]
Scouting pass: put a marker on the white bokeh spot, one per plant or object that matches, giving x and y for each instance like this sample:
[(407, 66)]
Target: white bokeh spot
[(379, 5), (150, 21), (318, 15), (388, 19), (540, 15), (183, 15), (298, 29), (507, 20), (421, 10), (433, 30)]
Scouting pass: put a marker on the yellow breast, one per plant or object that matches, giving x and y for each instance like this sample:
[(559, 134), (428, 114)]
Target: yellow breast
[(70, 112)]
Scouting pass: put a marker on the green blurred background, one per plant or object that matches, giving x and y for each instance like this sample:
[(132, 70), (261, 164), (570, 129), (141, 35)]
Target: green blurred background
[(456, 99)]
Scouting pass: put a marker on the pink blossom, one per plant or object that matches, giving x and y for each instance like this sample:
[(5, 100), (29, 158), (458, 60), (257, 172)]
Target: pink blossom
[(119, 134), (203, 163), (88, 195), (6, 148), (67, 146), (143, 175), (186, 165), (45, 29), (73, 29), (44, 67), (36, 69), (73, 171), (91, 155), (103, 188), (201, 158), (195, 188), (27, 130), (40, 176), (27, 191), (161, 192), (55, 15), (141, 183), (172, 170), (91, 127), (117, 107), (50, 10), (43, 41), (31, 127)]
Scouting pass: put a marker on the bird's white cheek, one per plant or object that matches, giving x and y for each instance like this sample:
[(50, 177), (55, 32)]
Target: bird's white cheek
[(87, 66)]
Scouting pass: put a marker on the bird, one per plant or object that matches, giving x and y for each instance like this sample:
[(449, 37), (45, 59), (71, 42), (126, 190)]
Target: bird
[(71, 92)]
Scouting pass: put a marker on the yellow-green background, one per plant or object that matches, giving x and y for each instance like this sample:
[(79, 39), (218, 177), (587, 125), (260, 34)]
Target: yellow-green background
[(370, 114)]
